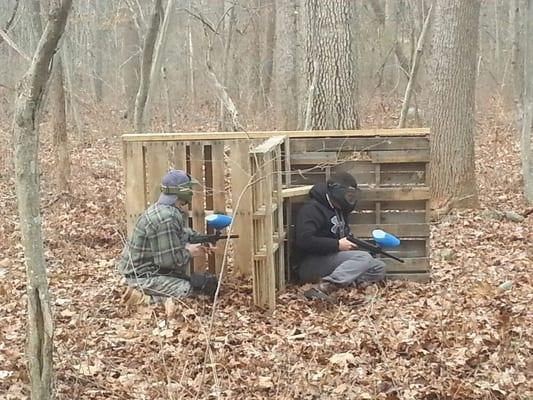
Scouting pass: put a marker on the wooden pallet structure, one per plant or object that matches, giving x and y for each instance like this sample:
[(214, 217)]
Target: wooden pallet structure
[(269, 175)]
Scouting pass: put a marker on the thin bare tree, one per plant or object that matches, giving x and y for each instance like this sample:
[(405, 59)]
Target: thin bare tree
[(26, 138), (414, 71), (146, 67), (527, 121)]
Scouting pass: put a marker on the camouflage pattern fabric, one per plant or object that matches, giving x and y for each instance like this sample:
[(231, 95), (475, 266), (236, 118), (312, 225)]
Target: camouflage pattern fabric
[(160, 287), (155, 259)]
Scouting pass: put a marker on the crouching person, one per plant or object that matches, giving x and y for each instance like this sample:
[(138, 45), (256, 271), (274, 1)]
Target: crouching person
[(323, 252), (155, 259)]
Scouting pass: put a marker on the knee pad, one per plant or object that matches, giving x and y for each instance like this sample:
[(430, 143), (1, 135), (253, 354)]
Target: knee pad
[(204, 284)]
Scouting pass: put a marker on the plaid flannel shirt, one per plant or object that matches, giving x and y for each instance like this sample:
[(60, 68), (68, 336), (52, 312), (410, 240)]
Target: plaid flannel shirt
[(157, 245)]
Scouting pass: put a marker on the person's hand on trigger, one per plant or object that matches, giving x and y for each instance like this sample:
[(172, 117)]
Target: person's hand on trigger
[(196, 249), (346, 245), (209, 248)]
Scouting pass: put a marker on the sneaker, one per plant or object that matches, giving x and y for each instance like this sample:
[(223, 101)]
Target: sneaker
[(317, 294)]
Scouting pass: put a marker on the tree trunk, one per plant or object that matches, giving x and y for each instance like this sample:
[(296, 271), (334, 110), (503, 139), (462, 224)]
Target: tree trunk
[(414, 71), (99, 51), (517, 60), (36, 22), (130, 57), (222, 122), (148, 53), (526, 142), (268, 57), (285, 82), (454, 44), (330, 47), (62, 158), (25, 131)]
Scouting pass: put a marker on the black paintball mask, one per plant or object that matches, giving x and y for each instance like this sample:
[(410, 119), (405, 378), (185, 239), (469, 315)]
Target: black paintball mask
[(343, 196)]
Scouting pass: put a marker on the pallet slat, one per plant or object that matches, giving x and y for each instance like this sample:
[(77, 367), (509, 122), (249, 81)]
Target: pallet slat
[(239, 164), (135, 201), (156, 166), (401, 230), (399, 156), (205, 136)]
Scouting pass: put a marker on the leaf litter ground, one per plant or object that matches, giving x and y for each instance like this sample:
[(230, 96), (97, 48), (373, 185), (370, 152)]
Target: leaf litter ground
[(464, 335)]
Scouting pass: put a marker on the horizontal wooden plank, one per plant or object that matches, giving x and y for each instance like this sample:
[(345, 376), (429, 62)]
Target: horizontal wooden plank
[(301, 177), (392, 217), (314, 158), (409, 265), (300, 191), (399, 205), (400, 230), (349, 148), (415, 277), (261, 211), (400, 156), (373, 194), (268, 145), (391, 194), (261, 254), (150, 137)]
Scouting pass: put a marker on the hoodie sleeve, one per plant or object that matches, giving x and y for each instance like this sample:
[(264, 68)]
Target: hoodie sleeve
[(308, 223)]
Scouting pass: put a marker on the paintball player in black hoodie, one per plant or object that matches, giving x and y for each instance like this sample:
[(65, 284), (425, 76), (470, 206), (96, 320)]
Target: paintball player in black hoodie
[(323, 252)]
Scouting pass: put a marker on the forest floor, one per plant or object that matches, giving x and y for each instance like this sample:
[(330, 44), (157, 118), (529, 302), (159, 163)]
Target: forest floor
[(467, 334)]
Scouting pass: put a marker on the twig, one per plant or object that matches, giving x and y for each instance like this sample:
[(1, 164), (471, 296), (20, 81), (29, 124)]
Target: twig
[(8, 25)]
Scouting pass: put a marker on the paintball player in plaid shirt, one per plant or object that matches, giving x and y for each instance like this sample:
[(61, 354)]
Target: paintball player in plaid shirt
[(156, 257)]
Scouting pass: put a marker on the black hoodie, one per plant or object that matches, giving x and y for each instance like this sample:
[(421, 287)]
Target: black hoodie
[(319, 226)]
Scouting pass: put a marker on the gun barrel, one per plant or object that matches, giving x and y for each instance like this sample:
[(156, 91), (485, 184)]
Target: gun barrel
[(371, 247)]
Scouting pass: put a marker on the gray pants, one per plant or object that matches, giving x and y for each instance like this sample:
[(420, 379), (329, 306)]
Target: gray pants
[(160, 286), (342, 268)]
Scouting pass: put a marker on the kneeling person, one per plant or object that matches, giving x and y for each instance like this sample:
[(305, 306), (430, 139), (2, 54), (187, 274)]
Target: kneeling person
[(324, 253), (156, 257)]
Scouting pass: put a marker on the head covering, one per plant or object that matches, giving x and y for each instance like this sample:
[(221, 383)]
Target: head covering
[(176, 184), (343, 190)]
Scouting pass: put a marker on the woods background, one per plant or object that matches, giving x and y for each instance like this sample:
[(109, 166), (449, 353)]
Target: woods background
[(173, 65)]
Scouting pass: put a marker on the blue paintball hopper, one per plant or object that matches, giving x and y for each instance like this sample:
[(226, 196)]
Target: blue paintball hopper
[(385, 239), (218, 221)]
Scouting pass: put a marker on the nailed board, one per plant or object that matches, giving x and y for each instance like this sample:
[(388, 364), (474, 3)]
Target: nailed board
[(379, 159), (392, 175)]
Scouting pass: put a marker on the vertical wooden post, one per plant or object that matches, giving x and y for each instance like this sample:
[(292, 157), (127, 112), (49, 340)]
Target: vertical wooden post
[(135, 177), (198, 199), (219, 194), (279, 230), (156, 167), (267, 221), (242, 211), (180, 156)]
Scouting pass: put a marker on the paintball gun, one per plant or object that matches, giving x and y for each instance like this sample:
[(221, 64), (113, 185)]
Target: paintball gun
[(382, 238), (217, 222)]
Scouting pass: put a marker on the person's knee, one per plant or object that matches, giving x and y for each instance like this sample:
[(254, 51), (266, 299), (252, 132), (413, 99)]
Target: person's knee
[(378, 269)]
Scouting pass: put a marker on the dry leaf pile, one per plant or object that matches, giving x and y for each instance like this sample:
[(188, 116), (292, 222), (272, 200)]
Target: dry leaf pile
[(464, 335)]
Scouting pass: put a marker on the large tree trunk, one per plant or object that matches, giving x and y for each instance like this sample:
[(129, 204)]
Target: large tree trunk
[(146, 68), (25, 131), (527, 136), (455, 44), (285, 64), (331, 61)]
